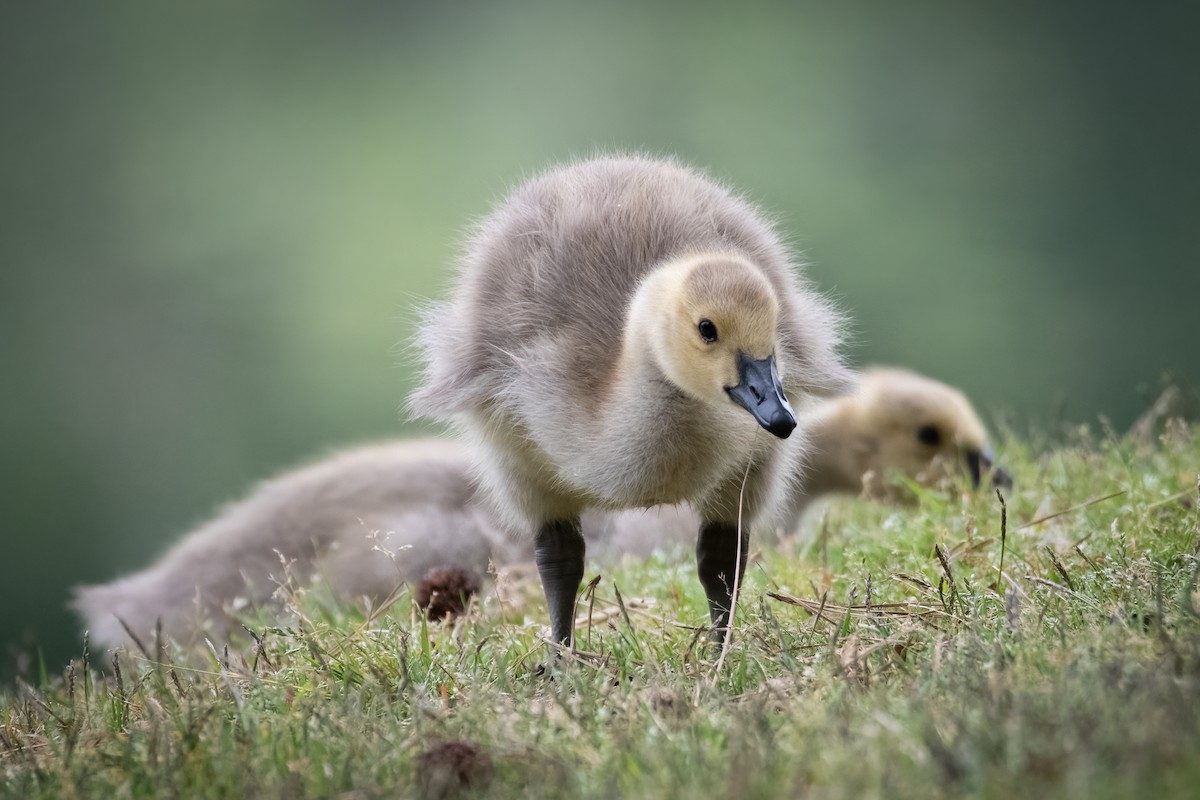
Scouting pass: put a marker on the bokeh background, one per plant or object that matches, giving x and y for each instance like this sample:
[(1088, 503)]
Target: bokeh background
[(215, 221)]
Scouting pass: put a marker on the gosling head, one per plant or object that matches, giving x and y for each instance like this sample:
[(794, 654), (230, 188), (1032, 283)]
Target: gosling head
[(714, 325), (920, 427)]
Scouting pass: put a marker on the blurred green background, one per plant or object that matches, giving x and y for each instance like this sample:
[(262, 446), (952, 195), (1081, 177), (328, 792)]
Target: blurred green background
[(215, 221)]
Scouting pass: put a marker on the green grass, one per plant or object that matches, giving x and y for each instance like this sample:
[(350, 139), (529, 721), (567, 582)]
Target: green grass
[(1080, 677)]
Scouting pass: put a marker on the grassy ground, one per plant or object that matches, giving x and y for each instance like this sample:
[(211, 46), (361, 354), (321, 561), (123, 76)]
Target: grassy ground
[(877, 656)]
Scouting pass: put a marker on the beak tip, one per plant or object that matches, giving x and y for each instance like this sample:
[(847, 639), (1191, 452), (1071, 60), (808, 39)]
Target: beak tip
[(980, 464), (782, 426)]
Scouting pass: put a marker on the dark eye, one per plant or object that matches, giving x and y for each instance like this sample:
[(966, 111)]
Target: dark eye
[(929, 434), (708, 331)]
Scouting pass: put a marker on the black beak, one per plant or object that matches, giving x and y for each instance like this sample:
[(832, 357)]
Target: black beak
[(981, 463), (761, 393)]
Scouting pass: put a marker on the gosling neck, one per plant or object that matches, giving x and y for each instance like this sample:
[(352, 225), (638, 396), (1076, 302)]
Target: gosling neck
[(645, 334)]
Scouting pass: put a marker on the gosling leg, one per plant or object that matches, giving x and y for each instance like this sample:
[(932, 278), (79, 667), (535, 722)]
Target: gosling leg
[(716, 561), (558, 551)]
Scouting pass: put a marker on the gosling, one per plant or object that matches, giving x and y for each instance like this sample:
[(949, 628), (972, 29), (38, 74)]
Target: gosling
[(364, 521), (896, 423), (621, 330)]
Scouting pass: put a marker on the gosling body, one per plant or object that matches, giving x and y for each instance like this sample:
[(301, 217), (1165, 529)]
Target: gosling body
[(622, 332)]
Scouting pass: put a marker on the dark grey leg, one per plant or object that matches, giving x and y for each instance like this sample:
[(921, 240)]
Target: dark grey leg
[(716, 560), (558, 551)]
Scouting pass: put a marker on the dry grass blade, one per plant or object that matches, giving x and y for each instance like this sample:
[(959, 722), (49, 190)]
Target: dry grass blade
[(259, 650), (1174, 498), (1058, 587), (817, 617), (576, 656), (641, 606), (392, 598), (135, 639), (819, 608), (590, 593), (1071, 510), (624, 610), (913, 580), (36, 696), (1084, 556)]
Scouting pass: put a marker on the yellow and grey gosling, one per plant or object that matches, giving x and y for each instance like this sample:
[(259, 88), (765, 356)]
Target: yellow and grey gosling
[(895, 423), (625, 333)]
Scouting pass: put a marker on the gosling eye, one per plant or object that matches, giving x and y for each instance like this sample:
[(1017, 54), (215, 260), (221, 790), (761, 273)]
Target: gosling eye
[(929, 434), (708, 331)]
